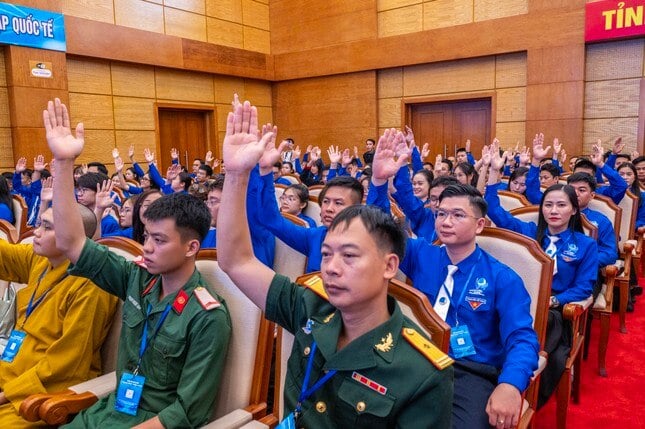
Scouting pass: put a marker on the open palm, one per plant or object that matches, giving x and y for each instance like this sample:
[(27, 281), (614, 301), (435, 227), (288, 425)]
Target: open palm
[(59, 134)]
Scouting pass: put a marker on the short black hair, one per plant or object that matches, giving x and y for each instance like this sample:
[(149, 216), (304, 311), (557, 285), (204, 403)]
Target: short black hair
[(99, 166), (91, 180), (192, 217), (389, 236), (443, 181), (584, 163), (638, 160), (216, 183), (344, 182), (477, 202), (550, 168), (448, 163), (461, 149), (207, 168), (186, 179), (583, 177)]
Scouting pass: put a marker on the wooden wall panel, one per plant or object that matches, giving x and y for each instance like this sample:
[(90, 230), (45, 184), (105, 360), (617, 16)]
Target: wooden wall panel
[(195, 6), (255, 14), (258, 92), (98, 147), (92, 77), (509, 134), (561, 100), (389, 112), (133, 80), (229, 10), (511, 105), (185, 24), (303, 25), (510, 70), (140, 140), (224, 33), (325, 111), (569, 131), (5, 119), (608, 129), (185, 86), (6, 150), (30, 114), (96, 10), (226, 86), (19, 73), (257, 40), (95, 111), (390, 83), (32, 142), (556, 64), (492, 9), (447, 13), (612, 98), (400, 21), (3, 69), (454, 76), (133, 113), (139, 14), (265, 114), (382, 5), (615, 60)]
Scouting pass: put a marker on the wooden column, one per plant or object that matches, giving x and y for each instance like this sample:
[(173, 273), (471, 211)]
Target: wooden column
[(28, 95)]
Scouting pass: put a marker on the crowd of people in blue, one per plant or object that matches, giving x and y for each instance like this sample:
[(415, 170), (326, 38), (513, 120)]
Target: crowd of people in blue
[(176, 329)]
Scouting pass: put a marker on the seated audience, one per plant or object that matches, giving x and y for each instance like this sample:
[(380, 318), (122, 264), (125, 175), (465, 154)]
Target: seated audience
[(294, 200)]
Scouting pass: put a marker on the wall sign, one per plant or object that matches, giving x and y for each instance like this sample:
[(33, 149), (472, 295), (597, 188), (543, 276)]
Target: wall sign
[(35, 28), (606, 20)]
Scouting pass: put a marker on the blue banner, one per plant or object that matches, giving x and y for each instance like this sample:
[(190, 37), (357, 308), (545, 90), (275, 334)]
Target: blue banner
[(35, 28)]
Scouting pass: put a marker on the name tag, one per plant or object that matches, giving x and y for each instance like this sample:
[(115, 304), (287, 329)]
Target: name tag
[(460, 342), (128, 393), (288, 422), (13, 345)]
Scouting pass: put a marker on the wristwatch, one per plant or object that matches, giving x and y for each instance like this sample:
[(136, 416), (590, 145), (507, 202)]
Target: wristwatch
[(554, 302)]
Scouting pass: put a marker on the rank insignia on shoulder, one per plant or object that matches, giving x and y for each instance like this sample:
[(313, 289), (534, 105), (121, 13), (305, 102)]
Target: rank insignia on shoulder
[(180, 301), (386, 343), (315, 283), (205, 298), (438, 358)]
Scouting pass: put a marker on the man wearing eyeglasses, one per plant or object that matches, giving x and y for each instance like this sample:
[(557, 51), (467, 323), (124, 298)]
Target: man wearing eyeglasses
[(492, 339)]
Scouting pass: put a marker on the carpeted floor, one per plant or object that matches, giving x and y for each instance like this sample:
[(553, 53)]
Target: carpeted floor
[(615, 402)]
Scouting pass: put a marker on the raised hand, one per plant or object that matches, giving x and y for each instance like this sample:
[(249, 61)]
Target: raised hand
[(468, 145), (209, 158), (425, 150), (174, 153), (355, 151), (39, 163), (242, 149), (149, 156), (59, 134), (173, 171), (21, 165), (618, 146), (315, 154), (104, 197), (115, 153), (557, 147), (597, 154), (271, 154), (334, 155), (386, 164), (635, 154), (47, 191), (118, 164), (346, 159), (486, 156), (539, 151), (309, 149), (525, 156), (409, 135), (563, 157), (296, 153), (131, 153)]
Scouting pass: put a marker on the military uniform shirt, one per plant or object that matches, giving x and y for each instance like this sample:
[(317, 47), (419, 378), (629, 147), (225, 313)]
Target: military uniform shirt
[(417, 395), (183, 363)]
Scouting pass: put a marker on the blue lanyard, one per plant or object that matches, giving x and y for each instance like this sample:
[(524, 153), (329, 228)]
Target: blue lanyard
[(145, 339), (463, 291), (31, 306), (305, 392)]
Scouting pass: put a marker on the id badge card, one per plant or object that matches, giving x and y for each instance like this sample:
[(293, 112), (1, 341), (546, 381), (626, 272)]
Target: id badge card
[(128, 393), (13, 345), (288, 422), (460, 342)]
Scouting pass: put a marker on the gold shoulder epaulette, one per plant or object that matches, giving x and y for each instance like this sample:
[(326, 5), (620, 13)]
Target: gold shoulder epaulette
[(438, 358), (315, 283)]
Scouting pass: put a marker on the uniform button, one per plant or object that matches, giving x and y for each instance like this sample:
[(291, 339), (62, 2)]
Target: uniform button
[(306, 351), (360, 407), (321, 407), (409, 331)]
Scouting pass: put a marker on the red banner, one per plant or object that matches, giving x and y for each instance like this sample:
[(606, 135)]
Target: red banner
[(607, 20)]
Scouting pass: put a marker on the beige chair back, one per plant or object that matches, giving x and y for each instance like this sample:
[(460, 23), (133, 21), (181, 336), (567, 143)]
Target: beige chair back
[(288, 261), (279, 189), (247, 363), (8, 232), (511, 200), (629, 207), (292, 178), (314, 190), (130, 250), (21, 214), (313, 209), (606, 206)]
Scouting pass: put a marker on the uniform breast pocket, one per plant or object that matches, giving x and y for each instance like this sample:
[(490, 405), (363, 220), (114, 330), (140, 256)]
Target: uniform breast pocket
[(166, 359), (364, 407)]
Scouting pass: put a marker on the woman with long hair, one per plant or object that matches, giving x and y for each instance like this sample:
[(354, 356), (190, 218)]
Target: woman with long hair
[(294, 200), (6, 202), (143, 202), (466, 174), (628, 172), (421, 182), (517, 180)]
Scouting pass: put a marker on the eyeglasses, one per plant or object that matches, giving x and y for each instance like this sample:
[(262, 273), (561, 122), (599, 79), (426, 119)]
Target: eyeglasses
[(457, 216), (290, 198), (81, 191)]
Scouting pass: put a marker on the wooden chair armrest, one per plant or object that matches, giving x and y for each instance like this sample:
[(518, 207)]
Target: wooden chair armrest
[(270, 420), (30, 407), (257, 410), (58, 409), (574, 310), (610, 278)]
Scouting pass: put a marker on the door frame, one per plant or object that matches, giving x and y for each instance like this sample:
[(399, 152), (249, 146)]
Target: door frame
[(211, 124), (408, 102)]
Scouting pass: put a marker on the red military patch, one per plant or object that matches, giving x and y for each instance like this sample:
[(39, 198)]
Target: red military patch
[(369, 383), (180, 301)]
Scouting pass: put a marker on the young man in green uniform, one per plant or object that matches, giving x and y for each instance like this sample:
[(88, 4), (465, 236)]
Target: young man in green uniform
[(355, 362), (175, 330)]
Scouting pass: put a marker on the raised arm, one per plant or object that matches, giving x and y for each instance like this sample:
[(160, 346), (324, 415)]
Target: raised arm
[(65, 148), (242, 150)]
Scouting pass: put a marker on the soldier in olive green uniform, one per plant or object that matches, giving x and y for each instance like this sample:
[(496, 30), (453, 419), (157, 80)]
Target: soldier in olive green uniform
[(184, 362), (354, 362), (382, 380)]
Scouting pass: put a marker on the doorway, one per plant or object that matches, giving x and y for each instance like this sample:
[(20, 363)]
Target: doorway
[(188, 129), (447, 124)]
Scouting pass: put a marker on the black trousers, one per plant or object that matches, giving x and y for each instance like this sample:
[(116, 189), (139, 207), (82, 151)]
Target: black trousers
[(474, 383)]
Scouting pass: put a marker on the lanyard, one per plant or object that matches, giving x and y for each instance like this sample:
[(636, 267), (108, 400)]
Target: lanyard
[(31, 306), (305, 392), (145, 339), (463, 291)]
